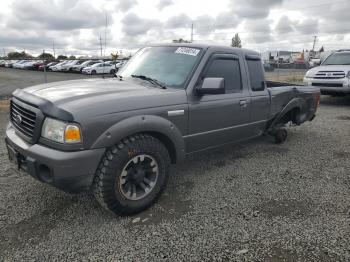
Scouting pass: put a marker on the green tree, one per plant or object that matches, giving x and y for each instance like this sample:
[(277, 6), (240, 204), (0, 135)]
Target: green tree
[(62, 57), (72, 57), (46, 56), (181, 41), (236, 41), (18, 55)]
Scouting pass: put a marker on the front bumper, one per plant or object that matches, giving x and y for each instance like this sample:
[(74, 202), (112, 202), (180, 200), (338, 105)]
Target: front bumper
[(68, 171), (330, 86)]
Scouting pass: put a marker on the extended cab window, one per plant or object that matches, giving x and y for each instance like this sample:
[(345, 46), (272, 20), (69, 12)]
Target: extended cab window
[(227, 68), (256, 74)]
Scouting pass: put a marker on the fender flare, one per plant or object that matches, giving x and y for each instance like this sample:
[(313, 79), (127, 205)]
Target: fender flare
[(143, 124), (294, 103)]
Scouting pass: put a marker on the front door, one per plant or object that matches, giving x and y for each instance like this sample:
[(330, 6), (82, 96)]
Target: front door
[(216, 119)]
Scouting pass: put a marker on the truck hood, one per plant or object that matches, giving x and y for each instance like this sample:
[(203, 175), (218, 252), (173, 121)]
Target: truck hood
[(344, 68), (105, 96)]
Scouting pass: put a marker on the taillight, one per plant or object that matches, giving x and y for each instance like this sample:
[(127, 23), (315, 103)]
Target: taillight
[(318, 99)]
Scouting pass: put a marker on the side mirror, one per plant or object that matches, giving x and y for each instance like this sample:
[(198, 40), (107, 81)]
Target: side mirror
[(212, 85)]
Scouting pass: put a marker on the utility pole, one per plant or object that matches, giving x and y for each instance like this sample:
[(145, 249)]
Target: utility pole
[(53, 48), (101, 45), (192, 32), (45, 76), (104, 54), (315, 39)]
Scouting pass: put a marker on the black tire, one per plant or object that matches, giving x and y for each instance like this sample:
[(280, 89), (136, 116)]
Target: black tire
[(281, 135), (107, 186), (112, 72), (93, 72)]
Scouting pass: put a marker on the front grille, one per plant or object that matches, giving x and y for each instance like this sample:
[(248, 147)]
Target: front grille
[(329, 75), (327, 84), (23, 119)]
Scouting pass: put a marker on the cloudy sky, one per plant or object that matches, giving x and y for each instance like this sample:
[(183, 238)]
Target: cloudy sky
[(75, 26)]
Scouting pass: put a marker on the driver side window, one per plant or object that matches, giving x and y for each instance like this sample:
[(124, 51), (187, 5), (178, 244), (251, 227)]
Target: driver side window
[(227, 68)]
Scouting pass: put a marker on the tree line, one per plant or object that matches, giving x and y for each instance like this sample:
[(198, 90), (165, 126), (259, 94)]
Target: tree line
[(43, 56)]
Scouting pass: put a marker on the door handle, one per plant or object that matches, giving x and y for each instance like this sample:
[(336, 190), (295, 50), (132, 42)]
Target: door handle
[(243, 103)]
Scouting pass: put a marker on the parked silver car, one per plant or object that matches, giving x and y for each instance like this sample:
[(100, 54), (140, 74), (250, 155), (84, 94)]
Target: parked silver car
[(333, 75)]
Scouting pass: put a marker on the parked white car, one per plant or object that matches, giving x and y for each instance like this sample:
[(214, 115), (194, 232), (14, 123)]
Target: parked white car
[(69, 66), (99, 68), (19, 64), (27, 64), (88, 63), (9, 63), (58, 67), (117, 64), (333, 75)]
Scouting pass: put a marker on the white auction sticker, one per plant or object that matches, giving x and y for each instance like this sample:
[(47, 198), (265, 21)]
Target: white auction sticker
[(187, 51)]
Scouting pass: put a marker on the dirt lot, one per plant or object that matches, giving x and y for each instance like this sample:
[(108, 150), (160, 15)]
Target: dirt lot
[(286, 75), (255, 201)]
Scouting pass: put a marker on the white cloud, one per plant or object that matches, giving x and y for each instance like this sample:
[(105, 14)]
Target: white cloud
[(76, 25)]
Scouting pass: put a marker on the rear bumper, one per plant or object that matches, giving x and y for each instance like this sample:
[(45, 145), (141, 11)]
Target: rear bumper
[(68, 171)]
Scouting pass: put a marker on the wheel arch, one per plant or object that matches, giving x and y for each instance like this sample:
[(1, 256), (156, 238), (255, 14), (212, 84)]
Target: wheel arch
[(156, 126), (290, 112)]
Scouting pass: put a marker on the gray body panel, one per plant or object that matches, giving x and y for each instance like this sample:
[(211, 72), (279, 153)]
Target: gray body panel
[(109, 110)]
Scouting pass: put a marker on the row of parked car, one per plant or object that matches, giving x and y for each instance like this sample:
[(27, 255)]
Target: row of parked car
[(90, 67)]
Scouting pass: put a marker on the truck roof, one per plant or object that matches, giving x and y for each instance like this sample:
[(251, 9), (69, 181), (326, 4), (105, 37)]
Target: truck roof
[(220, 48)]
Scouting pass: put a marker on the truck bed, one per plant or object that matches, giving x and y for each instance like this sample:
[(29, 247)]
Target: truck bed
[(283, 93)]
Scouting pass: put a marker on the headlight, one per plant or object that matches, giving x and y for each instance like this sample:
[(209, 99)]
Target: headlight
[(61, 132), (308, 73)]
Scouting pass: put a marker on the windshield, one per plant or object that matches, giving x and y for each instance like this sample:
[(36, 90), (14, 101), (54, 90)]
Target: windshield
[(169, 65), (85, 63), (97, 65), (338, 59)]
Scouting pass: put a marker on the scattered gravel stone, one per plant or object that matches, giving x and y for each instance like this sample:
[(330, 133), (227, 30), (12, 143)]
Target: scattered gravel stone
[(242, 252), (299, 215), (136, 220)]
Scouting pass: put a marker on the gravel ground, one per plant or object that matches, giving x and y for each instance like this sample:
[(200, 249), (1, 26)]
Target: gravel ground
[(11, 79), (255, 201)]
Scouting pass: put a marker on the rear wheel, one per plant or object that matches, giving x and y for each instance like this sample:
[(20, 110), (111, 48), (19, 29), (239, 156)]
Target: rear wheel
[(132, 175), (112, 72), (281, 135)]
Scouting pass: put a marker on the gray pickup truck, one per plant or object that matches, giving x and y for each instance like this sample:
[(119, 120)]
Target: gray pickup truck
[(118, 136)]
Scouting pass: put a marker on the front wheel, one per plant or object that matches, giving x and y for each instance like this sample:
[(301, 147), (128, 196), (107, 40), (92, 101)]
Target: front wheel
[(93, 72), (132, 175), (112, 72)]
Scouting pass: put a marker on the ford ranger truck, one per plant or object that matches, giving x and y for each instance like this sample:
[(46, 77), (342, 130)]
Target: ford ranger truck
[(333, 76), (117, 137)]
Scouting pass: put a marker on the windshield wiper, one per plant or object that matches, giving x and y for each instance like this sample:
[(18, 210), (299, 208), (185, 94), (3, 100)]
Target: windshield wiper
[(151, 80)]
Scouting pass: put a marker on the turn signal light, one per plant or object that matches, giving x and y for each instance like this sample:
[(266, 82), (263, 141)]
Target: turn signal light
[(72, 134)]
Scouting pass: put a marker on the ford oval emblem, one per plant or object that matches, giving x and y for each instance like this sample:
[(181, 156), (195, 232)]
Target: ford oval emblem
[(18, 119)]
